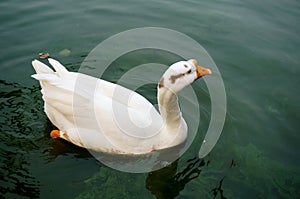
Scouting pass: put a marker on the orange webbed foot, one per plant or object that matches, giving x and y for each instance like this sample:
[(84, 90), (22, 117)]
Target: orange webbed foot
[(55, 134)]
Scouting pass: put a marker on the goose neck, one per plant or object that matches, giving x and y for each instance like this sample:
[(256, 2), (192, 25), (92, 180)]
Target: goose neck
[(169, 107)]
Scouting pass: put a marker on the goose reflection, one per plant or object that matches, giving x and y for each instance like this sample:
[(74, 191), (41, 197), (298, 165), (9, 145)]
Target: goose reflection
[(167, 182)]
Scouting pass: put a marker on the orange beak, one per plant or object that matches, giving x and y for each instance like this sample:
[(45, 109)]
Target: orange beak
[(201, 71)]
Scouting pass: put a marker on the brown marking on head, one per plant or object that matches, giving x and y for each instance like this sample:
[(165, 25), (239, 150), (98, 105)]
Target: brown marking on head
[(161, 83), (173, 78)]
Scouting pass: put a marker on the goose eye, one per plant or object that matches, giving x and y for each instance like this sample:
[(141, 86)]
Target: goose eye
[(189, 71)]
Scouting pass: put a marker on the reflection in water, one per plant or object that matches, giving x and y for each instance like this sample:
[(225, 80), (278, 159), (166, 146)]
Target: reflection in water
[(19, 120), (219, 190), (62, 147), (167, 183)]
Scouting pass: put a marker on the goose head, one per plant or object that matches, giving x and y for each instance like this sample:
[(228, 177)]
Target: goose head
[(181, 74)]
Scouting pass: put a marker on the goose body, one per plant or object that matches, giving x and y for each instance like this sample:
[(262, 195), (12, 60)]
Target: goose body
[(106, 117)]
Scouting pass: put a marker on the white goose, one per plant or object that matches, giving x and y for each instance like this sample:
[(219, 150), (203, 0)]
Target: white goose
[(88, 111)]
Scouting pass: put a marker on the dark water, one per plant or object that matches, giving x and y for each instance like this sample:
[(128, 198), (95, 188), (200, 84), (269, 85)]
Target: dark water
[(255, 45)]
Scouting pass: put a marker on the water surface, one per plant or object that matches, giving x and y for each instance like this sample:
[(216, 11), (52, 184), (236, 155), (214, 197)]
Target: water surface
[(255, 45)]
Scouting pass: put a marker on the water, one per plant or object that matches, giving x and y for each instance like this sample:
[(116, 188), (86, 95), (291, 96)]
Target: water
[(255, 44)]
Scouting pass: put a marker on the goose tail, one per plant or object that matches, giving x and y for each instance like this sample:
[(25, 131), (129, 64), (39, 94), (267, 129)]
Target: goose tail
[(41, 68), (43, 71)]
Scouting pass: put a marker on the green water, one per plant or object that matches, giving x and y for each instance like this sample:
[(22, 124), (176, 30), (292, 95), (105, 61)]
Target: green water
[(255, 45)]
